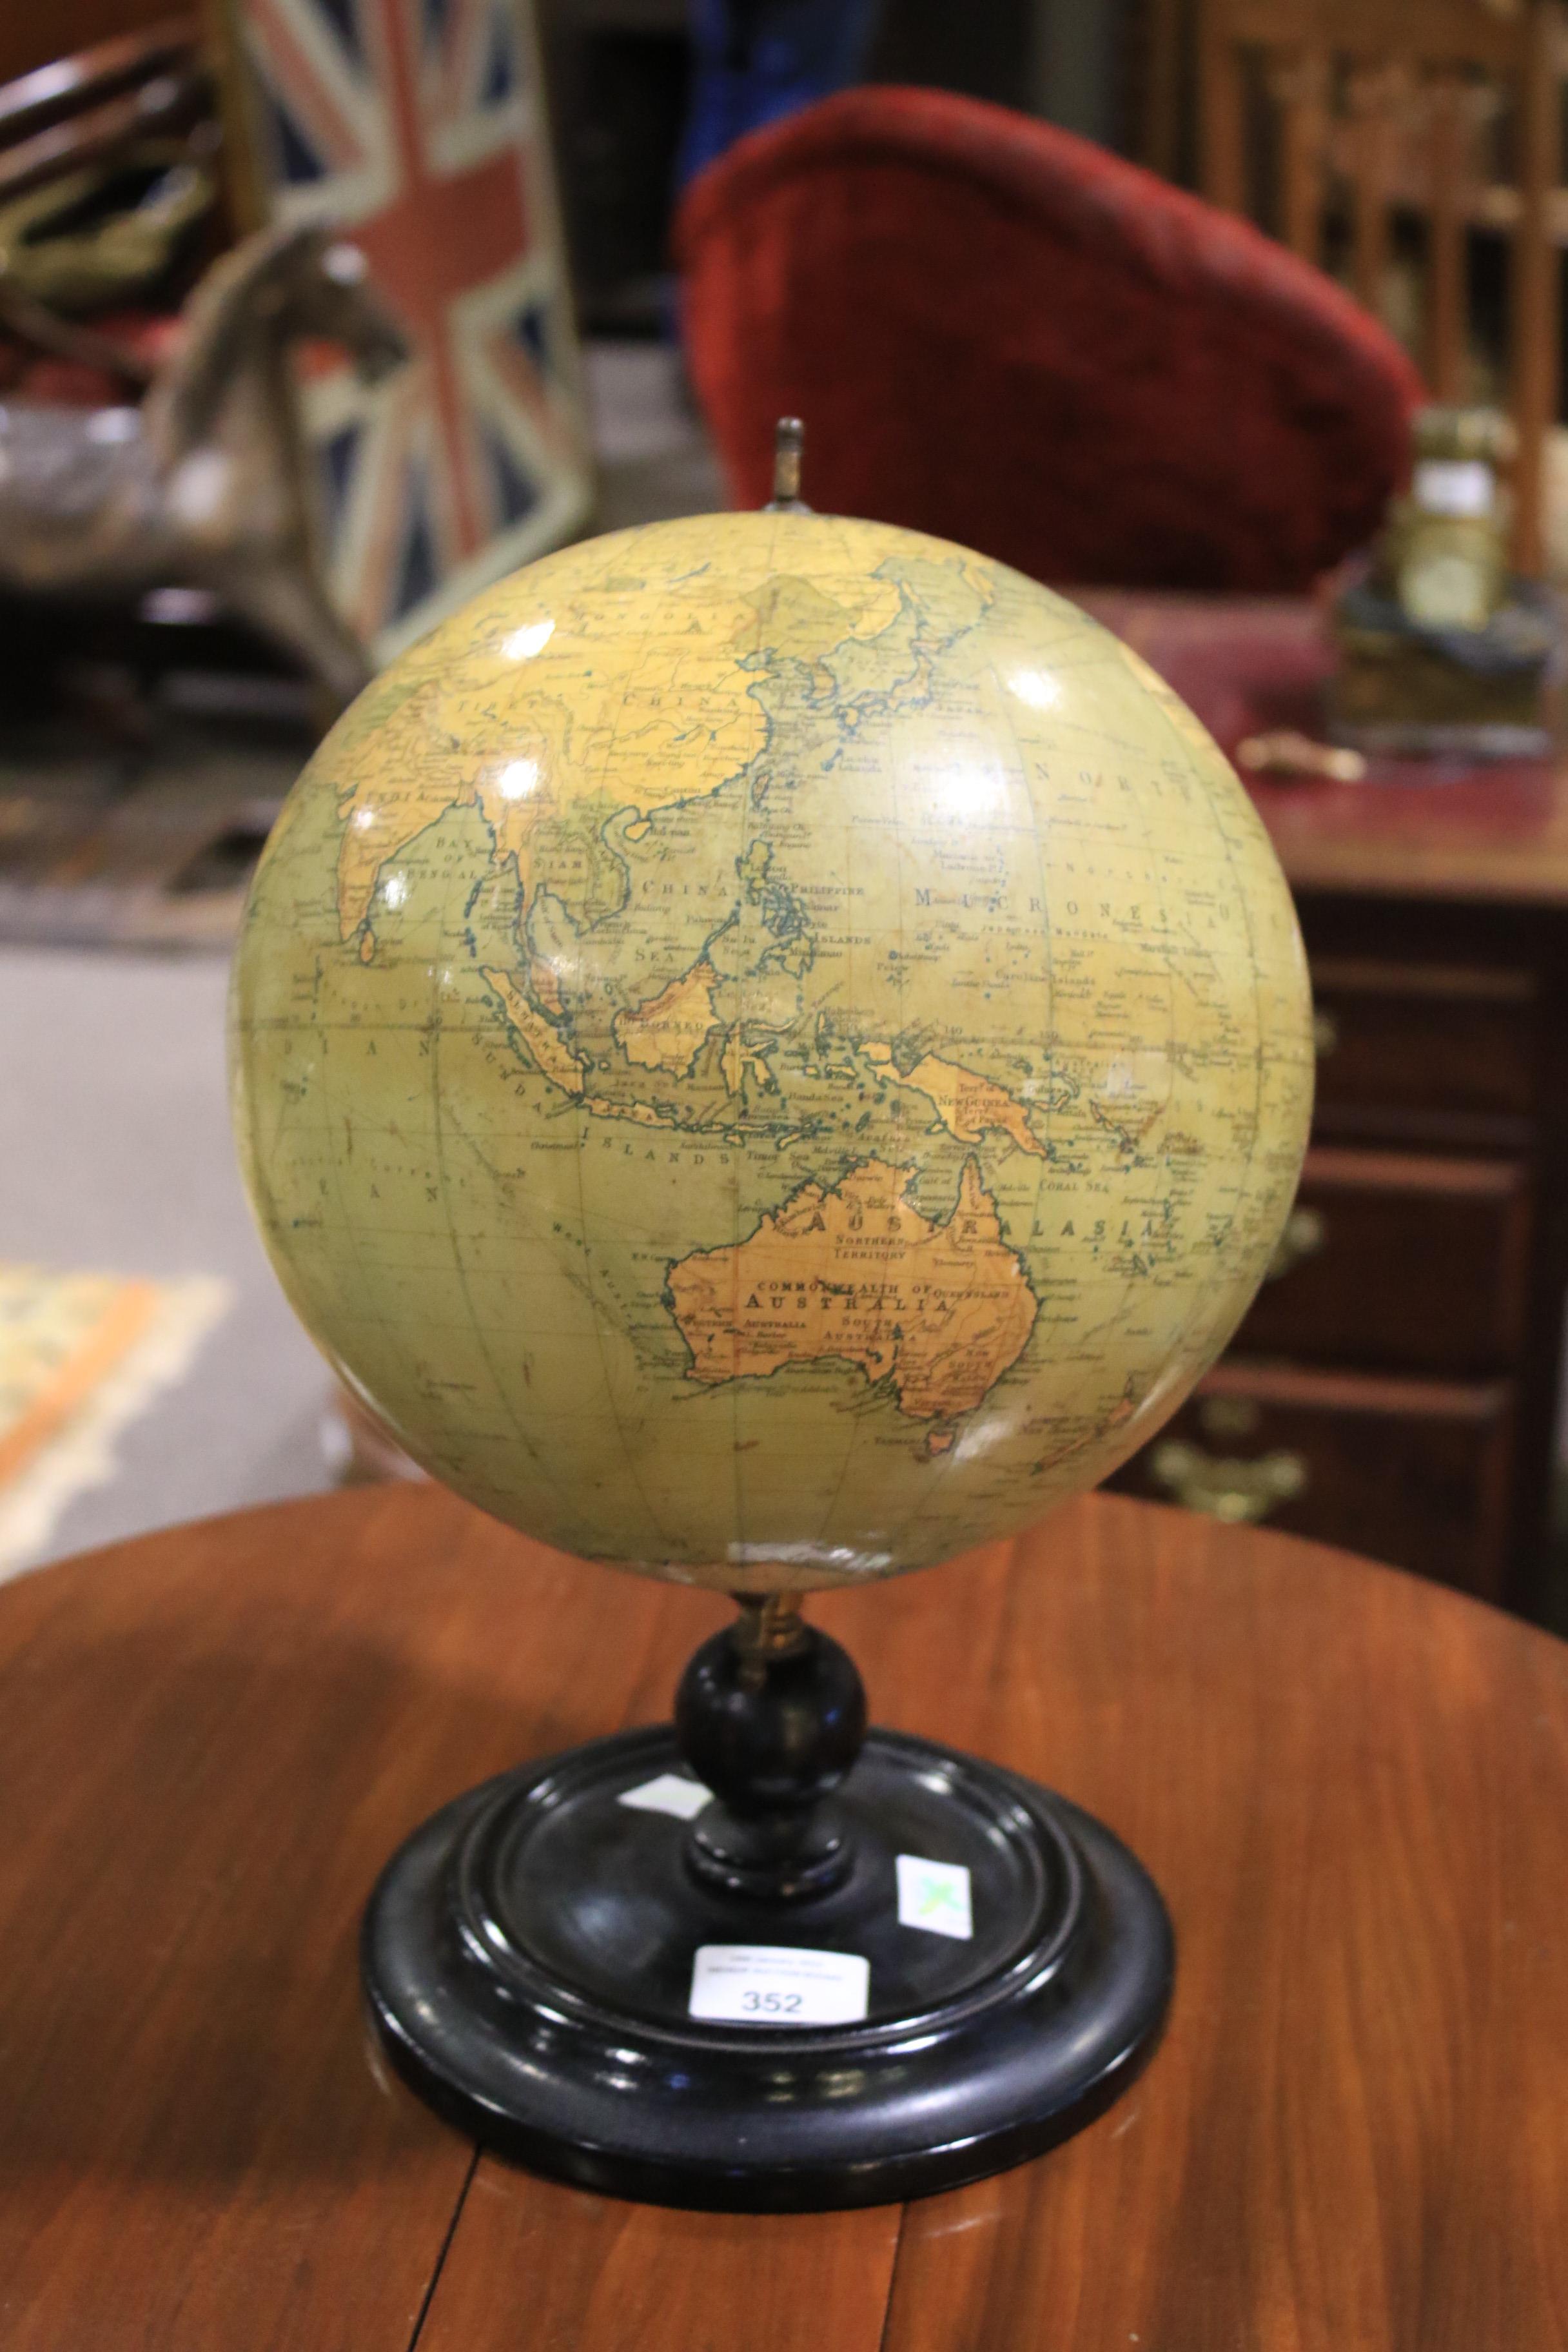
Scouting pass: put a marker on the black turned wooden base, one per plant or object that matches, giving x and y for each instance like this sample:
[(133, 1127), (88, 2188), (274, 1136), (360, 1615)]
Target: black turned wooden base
[(529, 1953)]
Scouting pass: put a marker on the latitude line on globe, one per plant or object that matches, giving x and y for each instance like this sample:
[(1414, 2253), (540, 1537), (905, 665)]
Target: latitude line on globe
[(1256, 1056)]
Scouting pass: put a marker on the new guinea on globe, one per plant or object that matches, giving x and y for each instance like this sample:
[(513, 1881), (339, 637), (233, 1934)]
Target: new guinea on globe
[(770, 1049)]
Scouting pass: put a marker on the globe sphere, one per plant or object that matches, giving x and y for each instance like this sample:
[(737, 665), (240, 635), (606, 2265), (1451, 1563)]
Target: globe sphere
[(770, 1049)]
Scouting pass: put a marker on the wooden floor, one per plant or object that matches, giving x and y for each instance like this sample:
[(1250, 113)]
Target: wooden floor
[(1353, 1788)]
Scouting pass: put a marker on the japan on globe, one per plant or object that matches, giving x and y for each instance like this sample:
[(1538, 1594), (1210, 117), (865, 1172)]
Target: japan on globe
[(770, 1049)]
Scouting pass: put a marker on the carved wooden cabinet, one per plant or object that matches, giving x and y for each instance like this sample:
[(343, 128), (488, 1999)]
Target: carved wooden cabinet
[(1394, 1388)]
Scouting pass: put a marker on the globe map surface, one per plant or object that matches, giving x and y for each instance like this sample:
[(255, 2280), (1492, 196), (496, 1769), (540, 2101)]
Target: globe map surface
[(770, 1049)]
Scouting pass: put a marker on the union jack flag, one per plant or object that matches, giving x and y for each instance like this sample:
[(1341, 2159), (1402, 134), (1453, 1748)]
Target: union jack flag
[(417, 127)]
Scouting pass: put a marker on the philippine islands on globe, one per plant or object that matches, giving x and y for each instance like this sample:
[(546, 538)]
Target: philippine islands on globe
[(770, 1049)]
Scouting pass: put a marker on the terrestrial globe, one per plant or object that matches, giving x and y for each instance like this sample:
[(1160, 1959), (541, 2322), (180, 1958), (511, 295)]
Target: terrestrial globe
[(770, 1049)]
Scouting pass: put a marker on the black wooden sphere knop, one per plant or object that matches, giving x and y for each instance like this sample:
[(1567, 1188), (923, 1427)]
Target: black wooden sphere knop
[(772, 1733)]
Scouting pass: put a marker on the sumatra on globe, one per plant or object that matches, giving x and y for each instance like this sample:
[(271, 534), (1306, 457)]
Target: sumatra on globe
[(769, 1050)]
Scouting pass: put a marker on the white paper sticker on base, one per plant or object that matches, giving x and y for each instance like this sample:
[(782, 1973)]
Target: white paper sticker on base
[(935, 1895), (670, 1793), (775, 1984)]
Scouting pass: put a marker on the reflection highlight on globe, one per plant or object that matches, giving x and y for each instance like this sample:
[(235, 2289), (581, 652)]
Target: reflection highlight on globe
[(1036, 688), (523, 645), (966, 791), (517, 779)]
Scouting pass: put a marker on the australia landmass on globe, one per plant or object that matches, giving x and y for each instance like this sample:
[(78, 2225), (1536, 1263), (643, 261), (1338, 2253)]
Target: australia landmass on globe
[(939, 1310)]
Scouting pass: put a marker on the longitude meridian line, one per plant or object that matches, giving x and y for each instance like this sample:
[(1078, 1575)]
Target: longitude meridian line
[(942, 1470), (476, 1329), (771, 564), (603, 777), (350, 1232), (771, 547), (1244, 1186), (596, 579), (738, 1537), (412, 1027), (1186, 753), (1114, 1319), (1184, 749), (893, 779), (653, 1519), (949, 1462), (853, 1418), (737, 1299), (1170, 1029)]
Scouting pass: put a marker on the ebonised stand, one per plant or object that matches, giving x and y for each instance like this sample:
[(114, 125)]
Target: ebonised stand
[(529, 1953)]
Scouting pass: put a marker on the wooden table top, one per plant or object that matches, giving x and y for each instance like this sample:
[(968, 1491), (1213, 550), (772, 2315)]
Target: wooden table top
[(1353, 1788), (1476, 831)]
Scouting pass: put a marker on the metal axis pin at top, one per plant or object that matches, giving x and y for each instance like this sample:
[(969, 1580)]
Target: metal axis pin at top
[(789, 442)]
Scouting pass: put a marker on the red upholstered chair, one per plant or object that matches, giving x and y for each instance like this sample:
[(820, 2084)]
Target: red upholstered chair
[(1003, 334)]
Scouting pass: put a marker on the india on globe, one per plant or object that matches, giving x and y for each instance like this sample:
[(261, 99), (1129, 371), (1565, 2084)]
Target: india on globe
[(769, 1050)]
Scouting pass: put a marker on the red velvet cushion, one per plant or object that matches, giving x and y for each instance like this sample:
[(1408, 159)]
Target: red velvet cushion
[(1001, 333)]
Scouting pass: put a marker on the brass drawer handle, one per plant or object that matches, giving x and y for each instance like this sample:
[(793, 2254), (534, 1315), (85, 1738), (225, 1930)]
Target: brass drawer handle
[(1241, 1493), (1306, 1232), (1325, 1033)]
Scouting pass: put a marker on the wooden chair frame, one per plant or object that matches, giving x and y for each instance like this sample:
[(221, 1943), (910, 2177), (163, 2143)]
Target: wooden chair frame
[(138, 85), (1379, 56)]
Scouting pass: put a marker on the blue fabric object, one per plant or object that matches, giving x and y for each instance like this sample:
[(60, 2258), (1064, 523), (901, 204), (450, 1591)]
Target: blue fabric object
[(757, 60)]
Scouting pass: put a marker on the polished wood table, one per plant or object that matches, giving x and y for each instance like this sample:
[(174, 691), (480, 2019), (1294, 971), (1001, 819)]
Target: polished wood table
[(1352, 1786)]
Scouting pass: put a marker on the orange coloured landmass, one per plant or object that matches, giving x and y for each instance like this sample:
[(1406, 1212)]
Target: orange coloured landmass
[(858, 1273), (668, 1031), (736, 1057), (548, 1047), (965, 1103), (555, 1060), (668, 717)]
